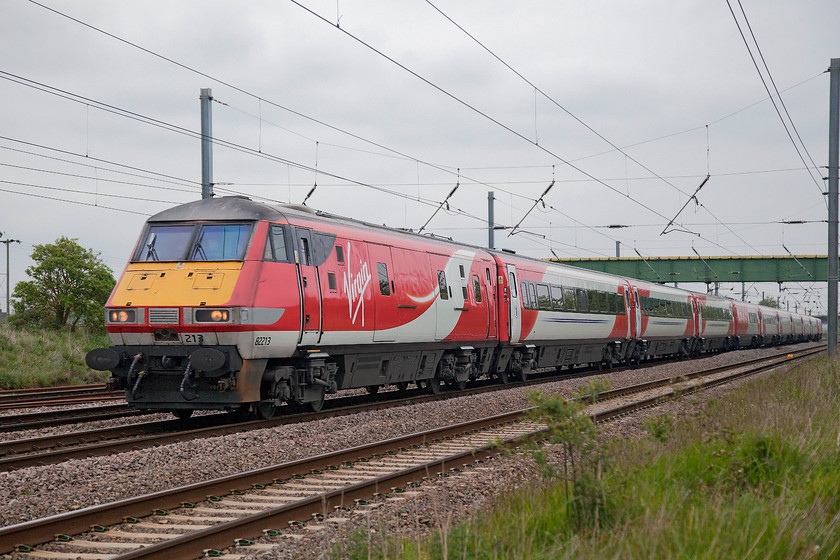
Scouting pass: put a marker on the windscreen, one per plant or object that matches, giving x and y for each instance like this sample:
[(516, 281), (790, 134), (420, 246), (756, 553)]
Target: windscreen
[(166, 243), (194, 242), (221, 242)]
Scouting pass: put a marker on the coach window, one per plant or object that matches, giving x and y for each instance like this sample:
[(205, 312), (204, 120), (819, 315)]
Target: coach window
[(477, 288), (592, 298), (570, 299), (557, 297), (444, 291), (604, 302), (583, 304), (339, 254), (532, 292), (526, 301), (513, 285), (384, 286), (461, 269), (543, 297), (331, 281)]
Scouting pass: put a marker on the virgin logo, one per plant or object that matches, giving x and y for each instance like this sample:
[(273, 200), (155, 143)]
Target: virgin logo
[(355, 286)]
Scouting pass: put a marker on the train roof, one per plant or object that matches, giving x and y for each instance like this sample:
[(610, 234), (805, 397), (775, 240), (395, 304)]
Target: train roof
[(243, 208), (221, 208)]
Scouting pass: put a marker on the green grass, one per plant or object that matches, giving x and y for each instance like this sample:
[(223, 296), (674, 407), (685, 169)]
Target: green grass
[(46, 358), (755, 475)]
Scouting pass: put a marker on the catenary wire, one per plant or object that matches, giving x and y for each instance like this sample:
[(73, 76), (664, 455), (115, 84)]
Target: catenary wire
[(767, 89)]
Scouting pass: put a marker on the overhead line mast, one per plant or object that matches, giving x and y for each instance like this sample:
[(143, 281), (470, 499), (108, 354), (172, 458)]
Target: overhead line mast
[(833, 161)]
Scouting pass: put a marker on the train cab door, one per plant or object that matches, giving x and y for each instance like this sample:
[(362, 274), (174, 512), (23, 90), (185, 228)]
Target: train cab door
[(310, 289), (384, 293), (514, 309)]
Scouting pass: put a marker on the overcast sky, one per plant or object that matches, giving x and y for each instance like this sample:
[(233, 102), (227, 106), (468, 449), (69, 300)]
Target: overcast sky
[(301, 100)]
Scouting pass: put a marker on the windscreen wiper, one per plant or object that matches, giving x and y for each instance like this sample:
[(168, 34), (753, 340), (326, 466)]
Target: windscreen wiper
[(151, 254)]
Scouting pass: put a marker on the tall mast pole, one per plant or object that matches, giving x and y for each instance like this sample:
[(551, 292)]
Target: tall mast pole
[(833, 160), (206, 143), (490, 220), (8, 274)]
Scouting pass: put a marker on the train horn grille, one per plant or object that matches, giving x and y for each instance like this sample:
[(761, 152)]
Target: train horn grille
[(163, 316)]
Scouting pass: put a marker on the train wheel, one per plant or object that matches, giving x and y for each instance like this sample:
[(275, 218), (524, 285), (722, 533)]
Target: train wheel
[(503, 377), (523, 375), (239, 414), (461, 385), (316, 406), (182, 413), (433, 385), (265, 410), (372, 389)]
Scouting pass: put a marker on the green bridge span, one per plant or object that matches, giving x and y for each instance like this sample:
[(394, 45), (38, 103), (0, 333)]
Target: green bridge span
[(790, 268)]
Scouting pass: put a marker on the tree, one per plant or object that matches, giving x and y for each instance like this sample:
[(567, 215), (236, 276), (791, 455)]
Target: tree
[(769, 302), (69, 286)]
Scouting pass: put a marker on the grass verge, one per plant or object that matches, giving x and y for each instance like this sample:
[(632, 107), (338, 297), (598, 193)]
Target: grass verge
[(46, 358), (753, 475)]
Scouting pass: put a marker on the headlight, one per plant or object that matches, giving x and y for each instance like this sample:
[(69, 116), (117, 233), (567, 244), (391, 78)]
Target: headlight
[(122, 316), (212, 315)]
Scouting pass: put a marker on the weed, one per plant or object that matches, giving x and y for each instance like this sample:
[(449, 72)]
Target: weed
[(43, 358), (659, 427), (580, 468)]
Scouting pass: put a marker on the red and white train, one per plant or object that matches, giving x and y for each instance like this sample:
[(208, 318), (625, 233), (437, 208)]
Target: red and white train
[(232, 304)]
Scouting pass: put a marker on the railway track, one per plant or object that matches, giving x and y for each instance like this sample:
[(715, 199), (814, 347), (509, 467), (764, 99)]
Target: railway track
[(17, 454), (46, 419), (56, 396), (49, 418), (231, 511)]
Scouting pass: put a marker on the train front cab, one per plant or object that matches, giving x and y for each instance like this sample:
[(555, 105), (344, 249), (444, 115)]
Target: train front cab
[(186, 329)]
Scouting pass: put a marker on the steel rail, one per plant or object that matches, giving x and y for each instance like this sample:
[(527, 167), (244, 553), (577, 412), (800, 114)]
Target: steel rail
[(59, 389), (46, 419), (60, 400)]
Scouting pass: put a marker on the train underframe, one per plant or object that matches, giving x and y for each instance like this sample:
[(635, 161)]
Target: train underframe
[(187, 378)]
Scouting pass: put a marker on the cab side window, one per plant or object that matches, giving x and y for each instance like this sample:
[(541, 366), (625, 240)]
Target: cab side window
[(384, 286), (275, 245)]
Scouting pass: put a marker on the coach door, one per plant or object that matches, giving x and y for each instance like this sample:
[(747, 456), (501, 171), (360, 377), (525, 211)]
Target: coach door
[(310, 289), (695, 307), (490, 298), (632, 305), (514, 310)]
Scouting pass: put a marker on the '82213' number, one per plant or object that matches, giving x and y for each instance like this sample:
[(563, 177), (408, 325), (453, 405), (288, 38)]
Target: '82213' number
[(262, 341)]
